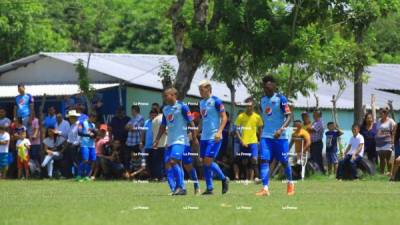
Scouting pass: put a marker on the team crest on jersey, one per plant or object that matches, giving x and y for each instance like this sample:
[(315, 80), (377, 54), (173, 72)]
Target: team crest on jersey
[(170, 117), (268, 111), (21, 101), (203, 113)]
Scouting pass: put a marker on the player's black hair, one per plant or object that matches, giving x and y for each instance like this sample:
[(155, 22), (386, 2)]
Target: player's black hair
[(136, 108), (355, 125), (330, 123), (268, 78)]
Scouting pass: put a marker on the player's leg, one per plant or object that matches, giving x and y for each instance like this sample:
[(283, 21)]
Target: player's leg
[(265, 154), (214, 150), (92, 161), (187, 161), (83, 163), (254, 161), (281, 146), (169, 173), (175, 161), (204, 148)]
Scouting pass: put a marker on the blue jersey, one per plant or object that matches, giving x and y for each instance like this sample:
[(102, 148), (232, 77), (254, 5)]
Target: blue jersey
[(176, 118), (23, 105), (85, 140), (210, 110), (149, 134), (331, 140), (273, 114)]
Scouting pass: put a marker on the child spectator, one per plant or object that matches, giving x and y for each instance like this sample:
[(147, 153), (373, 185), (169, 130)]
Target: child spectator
[(300, 136), (353, 154), (23, 145), (331, 152), (4, 144)]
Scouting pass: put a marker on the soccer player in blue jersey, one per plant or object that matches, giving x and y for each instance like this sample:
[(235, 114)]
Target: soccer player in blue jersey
[(87, 131), (24, 106), (212, 124), (274, 138), (177, 117)]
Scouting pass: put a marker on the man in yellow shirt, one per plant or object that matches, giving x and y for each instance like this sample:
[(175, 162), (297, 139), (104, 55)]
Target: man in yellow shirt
[(299, 136), (249, 124)]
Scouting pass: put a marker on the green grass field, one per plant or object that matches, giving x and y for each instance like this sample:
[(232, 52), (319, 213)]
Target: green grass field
[(317, 201)]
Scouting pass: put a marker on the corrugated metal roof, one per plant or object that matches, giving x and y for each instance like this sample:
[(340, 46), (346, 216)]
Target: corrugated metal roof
[(9, 91), (142, 70)]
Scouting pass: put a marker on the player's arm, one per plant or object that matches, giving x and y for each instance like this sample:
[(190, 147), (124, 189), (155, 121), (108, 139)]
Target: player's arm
[(340, 132), (291, 143), (194, 132), (5, 142), (15, 112), (224, 120), (32, 107), (307, 140)]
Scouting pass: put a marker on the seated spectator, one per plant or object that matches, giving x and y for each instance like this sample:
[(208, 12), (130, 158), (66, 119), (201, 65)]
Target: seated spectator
[(110, 163), (4, 144), (353, 154), (138, 167), (101, 140), (300, 137), (54, 145)]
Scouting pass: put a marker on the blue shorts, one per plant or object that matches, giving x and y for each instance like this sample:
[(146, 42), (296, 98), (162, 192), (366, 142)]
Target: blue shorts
[(250, 151), (187, 155), (3, 160), (331, 157), (88, 154), (274, 149), (174, 152), (209, 148)]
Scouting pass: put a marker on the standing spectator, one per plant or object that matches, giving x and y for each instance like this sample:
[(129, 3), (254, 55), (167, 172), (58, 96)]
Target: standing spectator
[(97, 106), (23, 145), (71, 153), (34, 137), (353, 154), (117, 125), (24, 107), (134, 128), (147, 139), (368, 130), (157, 155), (54, 146), (384, 139), (62, 125), (50, 120), (67, 104), (332, 136), (396, 162), (306, 120), (317, 133), (4, 144), (4, 121)]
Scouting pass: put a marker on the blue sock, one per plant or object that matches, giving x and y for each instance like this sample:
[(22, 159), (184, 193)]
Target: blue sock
[(183, 177), (81, 169), (178, 175), (264, 173), (288, 172), (193, 176), (170, 179), (208, 177), (218, 171)]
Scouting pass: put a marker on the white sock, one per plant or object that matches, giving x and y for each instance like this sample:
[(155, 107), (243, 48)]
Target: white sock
[(266, 187)]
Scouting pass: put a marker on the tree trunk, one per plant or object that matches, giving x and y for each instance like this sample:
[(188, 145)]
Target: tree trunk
[(358, 88)]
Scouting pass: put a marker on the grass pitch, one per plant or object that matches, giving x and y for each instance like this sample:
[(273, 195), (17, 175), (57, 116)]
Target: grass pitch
[(317, 201)]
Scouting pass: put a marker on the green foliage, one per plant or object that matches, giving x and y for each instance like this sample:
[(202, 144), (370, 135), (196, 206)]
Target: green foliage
[(84, 83)]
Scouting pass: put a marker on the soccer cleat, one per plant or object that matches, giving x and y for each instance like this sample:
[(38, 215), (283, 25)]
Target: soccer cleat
[(78, 178), (207, 192), (263, 192), (225, 185), (179, 191), (290, 189)]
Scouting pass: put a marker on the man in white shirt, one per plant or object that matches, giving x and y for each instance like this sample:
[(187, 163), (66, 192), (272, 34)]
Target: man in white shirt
[(353, 154), (71, 153), (62, 126), (4, 144), (158, 153)]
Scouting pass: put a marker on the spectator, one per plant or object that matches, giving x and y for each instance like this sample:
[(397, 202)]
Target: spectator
[(147, 139), (97, 106), (138, 166), (306, 120), (4, 121), (4, 144), (157, 155), (331, 152), (110, 162), (62, 126), (71, 153), (50, 120), (237, 162), (67, 104), (317, 133), (396, 162), (300, 137), (54, 146), (353, 154), (368, 130), (101, 140), (24, 107), (34, 138), (117, 125), (134, 128), (23, 145), (384, 139), (80, 108), (156, 107)]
